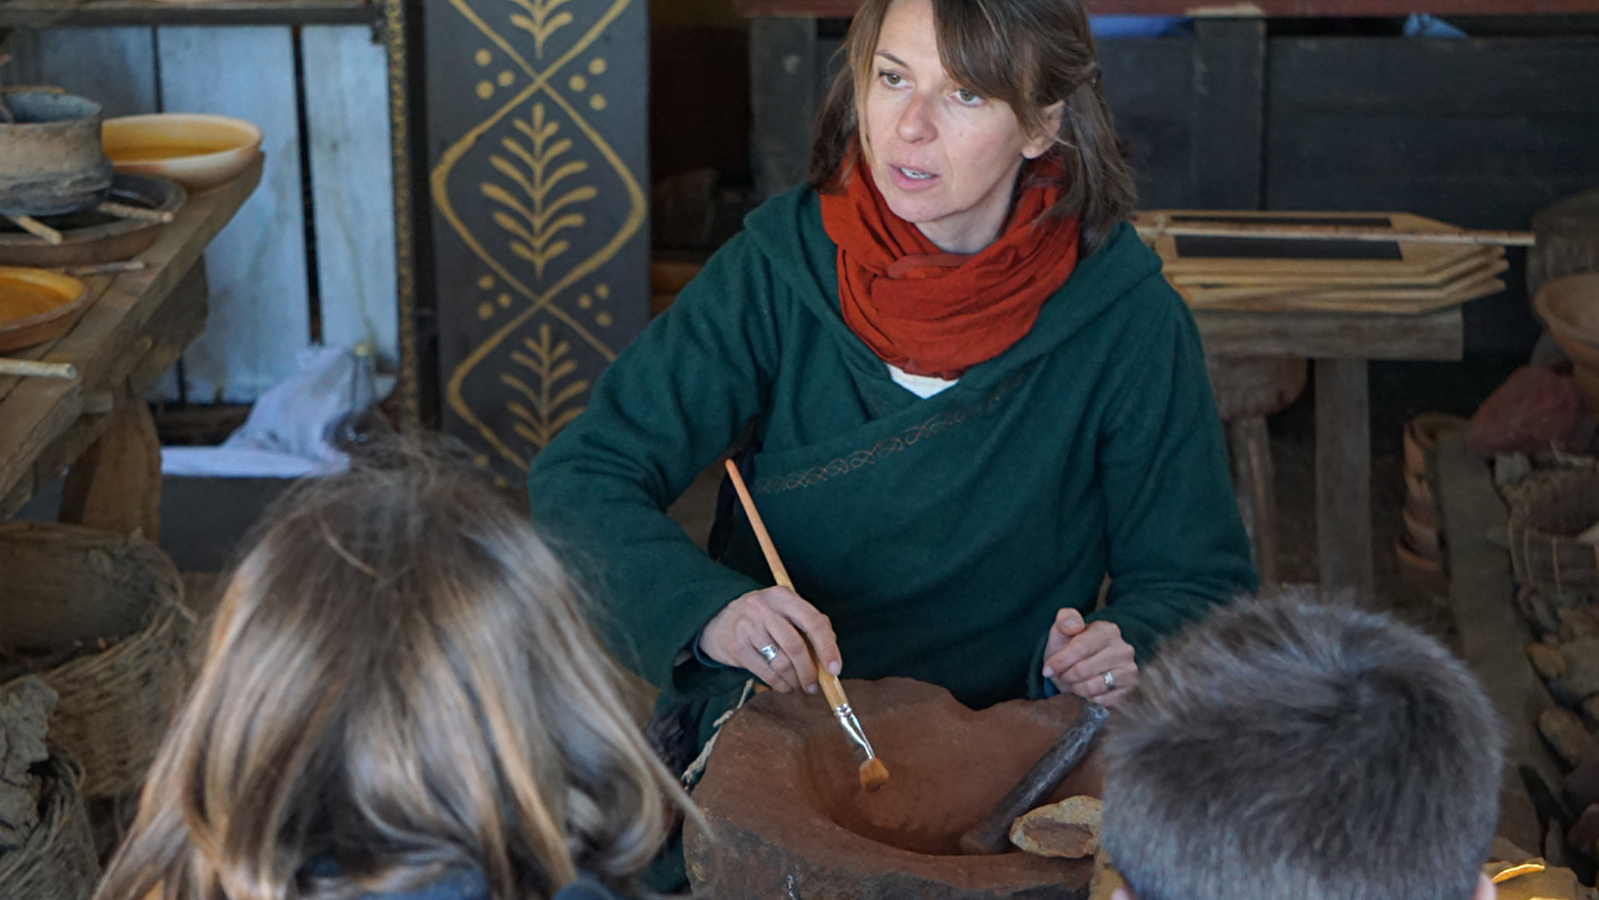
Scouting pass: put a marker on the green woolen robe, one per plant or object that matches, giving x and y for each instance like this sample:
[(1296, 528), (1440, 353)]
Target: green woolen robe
[(941, 535)]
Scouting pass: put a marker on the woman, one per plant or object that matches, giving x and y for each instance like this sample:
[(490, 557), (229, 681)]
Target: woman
[(970, 393), (400, 701)]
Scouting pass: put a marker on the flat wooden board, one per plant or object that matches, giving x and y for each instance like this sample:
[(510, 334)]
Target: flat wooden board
[(1302, 258), (347, 120), (1446, 275), (260, 315), (1368, 298)]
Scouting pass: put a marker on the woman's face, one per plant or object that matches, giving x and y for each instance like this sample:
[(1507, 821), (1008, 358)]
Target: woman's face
[(944, 158)]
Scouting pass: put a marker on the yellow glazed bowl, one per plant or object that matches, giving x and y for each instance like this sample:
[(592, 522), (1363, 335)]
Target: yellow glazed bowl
[(197, 151)]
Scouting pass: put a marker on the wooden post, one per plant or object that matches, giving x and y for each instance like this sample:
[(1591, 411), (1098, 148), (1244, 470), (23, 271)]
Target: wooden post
[(1249, 444), (116, 484), (1343, 477), (782, 100), (1228, 112)]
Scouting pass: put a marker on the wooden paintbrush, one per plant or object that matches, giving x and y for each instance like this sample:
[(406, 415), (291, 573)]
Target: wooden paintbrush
[(873, 773)]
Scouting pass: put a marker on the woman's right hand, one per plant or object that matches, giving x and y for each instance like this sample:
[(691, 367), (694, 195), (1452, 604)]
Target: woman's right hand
[(778, 619)]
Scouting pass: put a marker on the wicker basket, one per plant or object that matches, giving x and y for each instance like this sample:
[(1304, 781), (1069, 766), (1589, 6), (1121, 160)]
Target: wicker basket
[(100, 616), (1547, 512), (58, 861)]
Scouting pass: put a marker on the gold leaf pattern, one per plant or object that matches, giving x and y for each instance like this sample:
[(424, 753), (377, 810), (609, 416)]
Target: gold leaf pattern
[(535, 223), (549, 407), (539, 22)]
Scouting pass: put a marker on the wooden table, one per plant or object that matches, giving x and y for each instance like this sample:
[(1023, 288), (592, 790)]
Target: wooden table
[(132, 330), (1339, 345)]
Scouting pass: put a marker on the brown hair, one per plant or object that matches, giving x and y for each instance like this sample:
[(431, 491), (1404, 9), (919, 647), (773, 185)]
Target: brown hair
[(1283, 748), (399, 682), (1029, 54)]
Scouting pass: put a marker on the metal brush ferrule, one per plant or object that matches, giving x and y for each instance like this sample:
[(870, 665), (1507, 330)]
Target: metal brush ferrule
[(856, 734)]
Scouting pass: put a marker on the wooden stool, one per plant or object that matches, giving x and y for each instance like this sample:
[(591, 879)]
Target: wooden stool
[(1248, 389)]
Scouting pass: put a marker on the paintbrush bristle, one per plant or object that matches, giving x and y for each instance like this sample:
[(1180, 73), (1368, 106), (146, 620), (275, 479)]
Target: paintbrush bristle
[(873, 774)]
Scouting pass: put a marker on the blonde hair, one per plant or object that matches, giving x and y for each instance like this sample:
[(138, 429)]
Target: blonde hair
[(399, 679)]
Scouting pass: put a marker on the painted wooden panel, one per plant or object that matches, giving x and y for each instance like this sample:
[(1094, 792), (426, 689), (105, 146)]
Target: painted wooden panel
[(347, 116), (115, 67), (256, 267), (536, 122)]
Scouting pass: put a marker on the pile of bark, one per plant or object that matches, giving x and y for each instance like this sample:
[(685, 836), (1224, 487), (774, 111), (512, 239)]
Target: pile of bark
[(25, 707), (1567, 658)]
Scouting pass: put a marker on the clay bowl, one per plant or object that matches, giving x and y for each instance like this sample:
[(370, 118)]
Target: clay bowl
[(1570, 308), (781, 795), (36, 305), (94, 237), (197, 151)]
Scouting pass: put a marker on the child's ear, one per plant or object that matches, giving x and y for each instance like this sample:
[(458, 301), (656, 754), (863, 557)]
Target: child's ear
[(1485, 889)]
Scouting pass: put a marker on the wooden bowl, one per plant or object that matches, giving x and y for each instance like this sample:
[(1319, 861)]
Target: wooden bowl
[(95, 237), (36, 305), (197, 151)]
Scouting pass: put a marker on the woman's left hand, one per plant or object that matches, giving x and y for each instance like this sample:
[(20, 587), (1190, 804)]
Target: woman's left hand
[(1091, 661)]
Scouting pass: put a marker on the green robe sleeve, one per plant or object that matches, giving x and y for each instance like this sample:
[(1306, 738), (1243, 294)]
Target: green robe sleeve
[(671, 402), (1176, 542)]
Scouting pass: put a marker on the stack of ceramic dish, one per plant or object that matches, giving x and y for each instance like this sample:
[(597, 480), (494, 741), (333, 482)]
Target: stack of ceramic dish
[(1234, 270), (1419, 547)]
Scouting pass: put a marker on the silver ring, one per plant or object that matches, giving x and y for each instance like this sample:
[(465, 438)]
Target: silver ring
[(1110, 680), (768, 652)]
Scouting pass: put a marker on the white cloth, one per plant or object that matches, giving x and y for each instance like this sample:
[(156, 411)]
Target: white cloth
[(285, 435), (923, 386)]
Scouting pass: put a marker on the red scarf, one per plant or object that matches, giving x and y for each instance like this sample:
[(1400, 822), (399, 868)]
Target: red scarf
[(935, 313)]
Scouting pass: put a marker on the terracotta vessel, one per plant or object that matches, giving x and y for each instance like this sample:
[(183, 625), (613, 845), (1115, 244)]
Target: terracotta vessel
[(781, 795), (50, 159)]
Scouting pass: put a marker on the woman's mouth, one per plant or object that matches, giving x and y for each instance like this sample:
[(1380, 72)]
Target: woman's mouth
[(907, 178)]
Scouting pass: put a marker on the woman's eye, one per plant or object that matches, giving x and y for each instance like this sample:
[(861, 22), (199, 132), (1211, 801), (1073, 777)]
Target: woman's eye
[(892, 79), (967, 97)]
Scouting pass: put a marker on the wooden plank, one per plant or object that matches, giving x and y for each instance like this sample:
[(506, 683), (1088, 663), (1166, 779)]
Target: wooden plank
[(108, 344), (116, 484), (1343, 478), (1431, 336), (260, 318), (1228, 115), (783, 98), (843, 9), (1481, 596), (114, 67), (1149, 85), (346, 107), (103, 13)]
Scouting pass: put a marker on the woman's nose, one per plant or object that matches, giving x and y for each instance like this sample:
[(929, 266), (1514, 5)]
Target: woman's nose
[(916, 121)]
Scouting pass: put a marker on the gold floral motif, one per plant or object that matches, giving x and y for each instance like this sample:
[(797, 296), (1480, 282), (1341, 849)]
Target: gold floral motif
[(533, 230), (550, 407), (539, 22)]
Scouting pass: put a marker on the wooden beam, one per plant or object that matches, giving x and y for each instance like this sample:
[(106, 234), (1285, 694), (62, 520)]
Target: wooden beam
[(1343, 478), (843, 9), (59, 13), (1431, 336), (1482, 597)]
